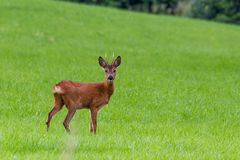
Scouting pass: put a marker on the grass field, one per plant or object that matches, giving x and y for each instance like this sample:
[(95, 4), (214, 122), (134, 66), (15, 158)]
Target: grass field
[(177, 89)]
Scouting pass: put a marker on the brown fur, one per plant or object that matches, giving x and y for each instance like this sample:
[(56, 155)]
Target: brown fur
[(78, 95)]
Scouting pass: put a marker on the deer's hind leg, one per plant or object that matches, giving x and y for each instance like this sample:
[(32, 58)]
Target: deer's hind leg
[(58, 104), (70, 114)]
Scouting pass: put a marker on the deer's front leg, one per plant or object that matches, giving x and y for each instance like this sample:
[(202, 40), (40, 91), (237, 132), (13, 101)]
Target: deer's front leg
[(91, 128), (93, 121)]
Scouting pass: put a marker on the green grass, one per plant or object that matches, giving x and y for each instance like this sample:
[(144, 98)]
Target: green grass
[(177, 89)]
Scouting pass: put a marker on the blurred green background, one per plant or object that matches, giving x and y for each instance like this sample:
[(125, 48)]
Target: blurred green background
[(217, 10), (177, 89)]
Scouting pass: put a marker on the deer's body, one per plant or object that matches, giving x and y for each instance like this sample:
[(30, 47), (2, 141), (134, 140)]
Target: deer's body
[(90, 95), (80, 95)]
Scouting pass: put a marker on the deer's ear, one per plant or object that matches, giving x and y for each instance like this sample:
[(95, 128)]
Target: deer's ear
[(102, 62), (117, 61)]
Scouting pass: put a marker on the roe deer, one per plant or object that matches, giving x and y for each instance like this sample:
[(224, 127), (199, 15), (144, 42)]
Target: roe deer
[(90, 95)]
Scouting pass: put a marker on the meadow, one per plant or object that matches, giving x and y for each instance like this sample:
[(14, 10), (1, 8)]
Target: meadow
[(176, 91)]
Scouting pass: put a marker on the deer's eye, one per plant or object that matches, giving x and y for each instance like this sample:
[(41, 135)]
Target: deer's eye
[(105, 71), (114, 70)]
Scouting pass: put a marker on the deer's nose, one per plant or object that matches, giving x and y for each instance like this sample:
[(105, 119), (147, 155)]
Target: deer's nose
[(110, 78)]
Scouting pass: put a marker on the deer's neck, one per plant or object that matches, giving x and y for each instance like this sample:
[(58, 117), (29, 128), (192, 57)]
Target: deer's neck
[(109, 88)]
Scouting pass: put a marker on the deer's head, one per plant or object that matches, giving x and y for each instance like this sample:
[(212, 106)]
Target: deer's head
[(110, 69)]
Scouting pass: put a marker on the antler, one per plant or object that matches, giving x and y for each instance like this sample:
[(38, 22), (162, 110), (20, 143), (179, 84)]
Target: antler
[(113, 57)]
